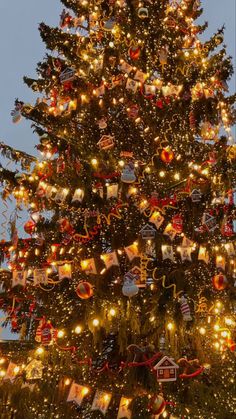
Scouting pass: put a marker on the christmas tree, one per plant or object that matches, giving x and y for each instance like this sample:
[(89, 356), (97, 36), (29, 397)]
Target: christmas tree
[(123, 288)]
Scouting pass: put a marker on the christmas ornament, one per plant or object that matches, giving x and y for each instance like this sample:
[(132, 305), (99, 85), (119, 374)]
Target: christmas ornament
[(130, 288), (128, 174), (157, 219), (143, 13), (67, 75), (166, 370), (162, 342), (167, 155), (220, 282), (29, 227), (185, 309), (106, 142), (157, 405), (148, 232), (84, 290), (196, 196), (134, 52), (102, 123), (177, 223), (64, 225), (46, 333), (133, 111)]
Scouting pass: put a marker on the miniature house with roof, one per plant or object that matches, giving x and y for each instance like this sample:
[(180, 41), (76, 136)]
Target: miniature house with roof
[(67, 75), (166, 370), (148, 232)]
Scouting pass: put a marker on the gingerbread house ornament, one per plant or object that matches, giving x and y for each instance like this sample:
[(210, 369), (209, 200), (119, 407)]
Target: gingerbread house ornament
[(166, 370)]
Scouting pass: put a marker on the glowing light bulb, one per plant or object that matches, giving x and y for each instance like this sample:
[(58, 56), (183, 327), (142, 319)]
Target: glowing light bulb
[(60, 334), (170, 326), (202, 330), (112, 312), (67, 382), (162, 173), (78, 330), (95, 322), (39, 351)]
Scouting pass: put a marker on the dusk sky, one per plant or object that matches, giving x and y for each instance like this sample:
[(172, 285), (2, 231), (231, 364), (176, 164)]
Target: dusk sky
[(21, 48)]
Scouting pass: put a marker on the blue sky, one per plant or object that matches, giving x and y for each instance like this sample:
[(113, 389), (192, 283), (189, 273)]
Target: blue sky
[(21, 48)]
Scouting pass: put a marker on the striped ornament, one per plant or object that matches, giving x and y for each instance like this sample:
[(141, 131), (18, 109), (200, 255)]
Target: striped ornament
[(84, 290)]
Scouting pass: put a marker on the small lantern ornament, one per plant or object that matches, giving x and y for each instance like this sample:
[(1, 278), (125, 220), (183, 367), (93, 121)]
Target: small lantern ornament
[(220, 282), (84, 290), (167, 155), (29, 227)]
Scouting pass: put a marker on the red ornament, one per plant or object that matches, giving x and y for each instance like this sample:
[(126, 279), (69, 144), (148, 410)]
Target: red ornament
[(134, 52), (177, 223), (14, 324), (133, 111), (46, 333), (84, 290), (227, 229), (29, 227), (64, 225), (167, 155), (157, 405), (220, 282)]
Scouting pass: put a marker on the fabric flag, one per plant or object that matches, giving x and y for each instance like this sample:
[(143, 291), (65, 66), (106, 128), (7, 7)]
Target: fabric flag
[(124, 411), (187, 242), (125, 67), (203, 254), (220, 262), (230, 249), (157, 219), (65, 271), (131, 85), (34, 370), (101, 401), (99, 91), (77, 393), (170, 231), (140, 76), (19, 278), (78, 195), (61, 195), (12, 371), (149, 89), (185, 253), (112, 191), (110, 259), (132, 251), (40, 277), (88, 266), (167, 252)]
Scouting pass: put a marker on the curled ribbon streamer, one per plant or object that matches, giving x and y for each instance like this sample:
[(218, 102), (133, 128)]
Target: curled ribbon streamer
[(163, 279), (45, 289), (194, 374)]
